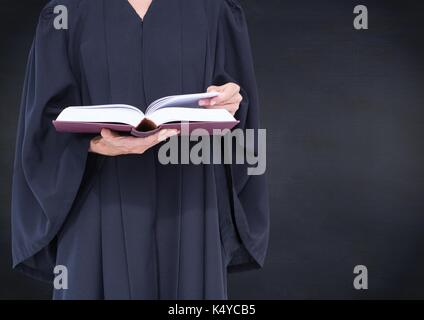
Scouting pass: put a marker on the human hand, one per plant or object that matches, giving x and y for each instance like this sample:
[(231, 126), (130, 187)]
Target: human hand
[(229, 98), (110, 143)]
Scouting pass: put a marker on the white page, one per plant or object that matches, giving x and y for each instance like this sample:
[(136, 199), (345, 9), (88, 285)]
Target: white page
[(190, 114), (112, 113), (186, 101)]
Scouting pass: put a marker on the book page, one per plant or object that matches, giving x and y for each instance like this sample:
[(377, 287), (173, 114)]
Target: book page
[(112, 113), (185, 101), (167, 115)]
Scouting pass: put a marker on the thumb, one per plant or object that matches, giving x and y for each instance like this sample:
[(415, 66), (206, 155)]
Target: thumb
[(214, 88), (107, 133)]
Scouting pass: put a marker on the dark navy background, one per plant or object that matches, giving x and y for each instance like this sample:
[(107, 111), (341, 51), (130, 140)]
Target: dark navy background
[(344, 111)]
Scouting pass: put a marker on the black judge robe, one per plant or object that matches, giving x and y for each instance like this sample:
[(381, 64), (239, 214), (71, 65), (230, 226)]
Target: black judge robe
[(127, 227)]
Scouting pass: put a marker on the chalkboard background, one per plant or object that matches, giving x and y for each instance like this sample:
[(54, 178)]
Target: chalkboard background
[(344, 111)]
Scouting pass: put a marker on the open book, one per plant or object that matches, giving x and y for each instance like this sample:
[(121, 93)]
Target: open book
[(165, 113)]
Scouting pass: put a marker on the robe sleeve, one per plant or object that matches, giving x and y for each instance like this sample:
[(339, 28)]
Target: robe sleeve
[(49, 166), (248, 194)]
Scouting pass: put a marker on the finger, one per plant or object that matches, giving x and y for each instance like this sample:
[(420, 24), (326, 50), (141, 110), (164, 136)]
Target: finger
[(214, 89), (229, 91), (238, 98), (207, 102), (108, 134), (232, 108), (235, 99), (155, 139), (105, 133), (167, 134)]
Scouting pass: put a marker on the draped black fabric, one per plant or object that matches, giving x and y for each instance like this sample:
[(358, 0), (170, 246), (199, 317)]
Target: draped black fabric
[(234, 63), (128, 227)]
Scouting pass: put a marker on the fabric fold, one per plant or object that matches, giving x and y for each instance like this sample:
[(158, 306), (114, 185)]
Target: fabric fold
[(248, 194), (48, 169)]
